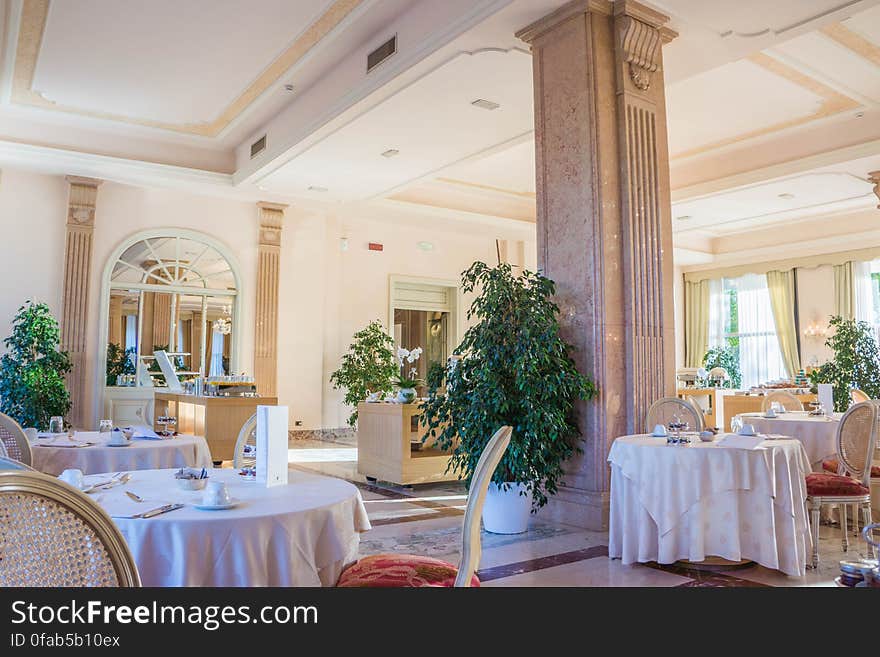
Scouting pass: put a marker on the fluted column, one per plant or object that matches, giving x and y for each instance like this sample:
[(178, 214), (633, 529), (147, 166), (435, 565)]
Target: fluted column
[(82, 199), (603, 221), (115, 332), (266, 329)]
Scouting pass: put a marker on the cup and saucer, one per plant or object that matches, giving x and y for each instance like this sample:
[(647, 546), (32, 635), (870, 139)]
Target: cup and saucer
[(659, 431), (216, 498), (747, 430)]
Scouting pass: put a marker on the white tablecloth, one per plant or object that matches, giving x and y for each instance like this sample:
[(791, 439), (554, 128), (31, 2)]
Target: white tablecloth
[(688, 502), (818, 434), (301, 534), (52, 457)]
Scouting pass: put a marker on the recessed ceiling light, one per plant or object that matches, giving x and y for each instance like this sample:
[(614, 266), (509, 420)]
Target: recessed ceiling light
[(485, 104), (859, 115), (786, 196), (315, 188), (683, 217), (426, 246), (289, 87), (391, 152)]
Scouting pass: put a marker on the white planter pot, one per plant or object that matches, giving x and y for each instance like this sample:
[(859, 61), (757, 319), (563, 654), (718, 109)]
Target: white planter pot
[(406, 395), (506, 511)]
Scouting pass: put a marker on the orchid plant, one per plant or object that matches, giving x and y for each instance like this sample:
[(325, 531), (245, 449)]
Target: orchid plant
[(409, 356)]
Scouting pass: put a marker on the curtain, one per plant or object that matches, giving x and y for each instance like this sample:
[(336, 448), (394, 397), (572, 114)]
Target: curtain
[(719, 313), (863, 293), (216, 368), (760, 356), (130, 331), (696, 322), (781, 285), (844, 291)]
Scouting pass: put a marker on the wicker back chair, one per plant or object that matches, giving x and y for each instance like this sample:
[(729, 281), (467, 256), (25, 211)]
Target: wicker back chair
[(7, 463), (857, 396), (789, 401), (664, 410), (53, 535), (14, 440), (244, 455), (856, 438)]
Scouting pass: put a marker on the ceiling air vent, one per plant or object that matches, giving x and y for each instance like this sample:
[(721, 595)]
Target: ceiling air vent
[(258, 146), (381, 53)]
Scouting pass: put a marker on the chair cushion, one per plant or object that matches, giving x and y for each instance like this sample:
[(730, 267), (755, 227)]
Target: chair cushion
[(400, 570), (831, 465), (822, 483)]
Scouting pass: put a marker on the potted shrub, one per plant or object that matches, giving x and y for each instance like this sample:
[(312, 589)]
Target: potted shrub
[(367, 368), (726, 357), (515, 370), (855, 363), (32, 387)]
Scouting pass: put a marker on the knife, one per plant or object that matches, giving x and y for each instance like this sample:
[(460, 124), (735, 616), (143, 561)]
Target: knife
[(161, 509)]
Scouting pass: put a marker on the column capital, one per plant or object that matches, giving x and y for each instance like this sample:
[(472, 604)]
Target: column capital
[(532, 32), (271, 223), (83, 181), (874, 178)]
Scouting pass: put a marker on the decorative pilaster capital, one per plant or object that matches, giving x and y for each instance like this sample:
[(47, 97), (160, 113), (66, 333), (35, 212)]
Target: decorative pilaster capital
[(641, 35), (874, 178), (81, 202), (271, 223)]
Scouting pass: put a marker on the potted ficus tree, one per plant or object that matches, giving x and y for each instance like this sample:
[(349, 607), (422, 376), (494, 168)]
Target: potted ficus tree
[(514, 370), (855, 362), (32, 387), (368, 367)]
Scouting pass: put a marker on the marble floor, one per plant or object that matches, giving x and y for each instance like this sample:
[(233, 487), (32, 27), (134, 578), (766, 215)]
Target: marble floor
[(427, 520)]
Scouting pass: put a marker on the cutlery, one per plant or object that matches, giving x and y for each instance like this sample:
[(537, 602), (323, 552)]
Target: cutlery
[(134, 496), (116, 480), (162, 509)]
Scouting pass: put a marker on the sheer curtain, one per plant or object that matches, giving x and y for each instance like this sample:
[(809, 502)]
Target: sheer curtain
[(216, 366), (863, 294), (759, 353), (719, 311)]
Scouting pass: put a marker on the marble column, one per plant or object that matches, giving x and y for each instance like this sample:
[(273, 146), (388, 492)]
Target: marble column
[(268, 269), (81, 202), (603, 221)]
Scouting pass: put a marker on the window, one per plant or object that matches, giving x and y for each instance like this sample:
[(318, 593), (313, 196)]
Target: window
[(874, 315), (742, 308)]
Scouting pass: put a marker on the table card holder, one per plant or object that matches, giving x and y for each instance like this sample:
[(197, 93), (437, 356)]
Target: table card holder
[(272, 445), (826, 397)]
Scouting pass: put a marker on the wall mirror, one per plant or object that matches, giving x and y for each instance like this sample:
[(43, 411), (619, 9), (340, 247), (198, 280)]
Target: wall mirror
[(176, 292)]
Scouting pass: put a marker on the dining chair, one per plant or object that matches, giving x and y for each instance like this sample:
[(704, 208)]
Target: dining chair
[(789, 401), (404, 570), (242, 457), (54, 535), (7, 463), (664, 410), (856, 437), (857, 396), (14, 440)]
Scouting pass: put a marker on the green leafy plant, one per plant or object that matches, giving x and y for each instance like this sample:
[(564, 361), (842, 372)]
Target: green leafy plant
[(728, 358), (515, 370), (367, 367), (118, 362), (855, 363), (32, 387)]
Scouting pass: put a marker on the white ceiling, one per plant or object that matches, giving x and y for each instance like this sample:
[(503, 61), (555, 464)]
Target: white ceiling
[(163, 60)]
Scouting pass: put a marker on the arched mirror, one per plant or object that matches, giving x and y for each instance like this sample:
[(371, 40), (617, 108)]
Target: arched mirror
[(176, 291)]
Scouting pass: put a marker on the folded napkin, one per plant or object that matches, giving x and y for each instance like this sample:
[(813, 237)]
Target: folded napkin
[(124, 507), (143, 432), (736, 441)]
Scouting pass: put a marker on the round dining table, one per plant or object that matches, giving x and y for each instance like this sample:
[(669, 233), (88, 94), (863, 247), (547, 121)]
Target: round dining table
[(302, 533), (90, 452), (728, 499), (817, 433)]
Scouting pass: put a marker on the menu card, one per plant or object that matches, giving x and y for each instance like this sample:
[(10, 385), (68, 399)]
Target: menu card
[(826, 396), (272, 445)]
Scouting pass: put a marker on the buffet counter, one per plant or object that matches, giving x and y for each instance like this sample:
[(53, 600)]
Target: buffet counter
[(218, 419)]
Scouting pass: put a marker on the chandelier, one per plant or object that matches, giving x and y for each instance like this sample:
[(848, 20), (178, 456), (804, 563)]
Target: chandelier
[(223, 325)]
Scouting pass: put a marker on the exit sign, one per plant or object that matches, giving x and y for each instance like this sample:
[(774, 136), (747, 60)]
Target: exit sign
[(375, 246)]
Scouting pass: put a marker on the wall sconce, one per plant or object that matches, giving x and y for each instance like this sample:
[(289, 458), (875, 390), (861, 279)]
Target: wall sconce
[(816, 330)]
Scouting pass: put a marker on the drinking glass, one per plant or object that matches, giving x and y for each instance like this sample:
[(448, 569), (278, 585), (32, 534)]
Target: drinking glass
[(105, 426), (56, 424), (736, 424)]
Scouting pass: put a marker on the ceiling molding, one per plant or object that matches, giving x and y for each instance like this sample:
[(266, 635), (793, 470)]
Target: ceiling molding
[(487, 188), (853, 42), (833, 103), (788, 28), (30, 34), (781, 170)]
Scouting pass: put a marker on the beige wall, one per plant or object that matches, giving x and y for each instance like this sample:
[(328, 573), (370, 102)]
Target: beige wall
[(325, 294), (678, 301), (815, 289)]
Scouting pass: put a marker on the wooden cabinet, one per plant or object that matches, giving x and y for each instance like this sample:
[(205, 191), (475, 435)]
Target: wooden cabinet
[(218, 419), (125, 406), (736, 404), (386, 433), (706, 400)]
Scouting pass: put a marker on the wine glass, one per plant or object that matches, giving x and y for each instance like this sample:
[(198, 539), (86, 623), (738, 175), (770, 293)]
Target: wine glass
[(736, 424), (105, 426), (56, 424)]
